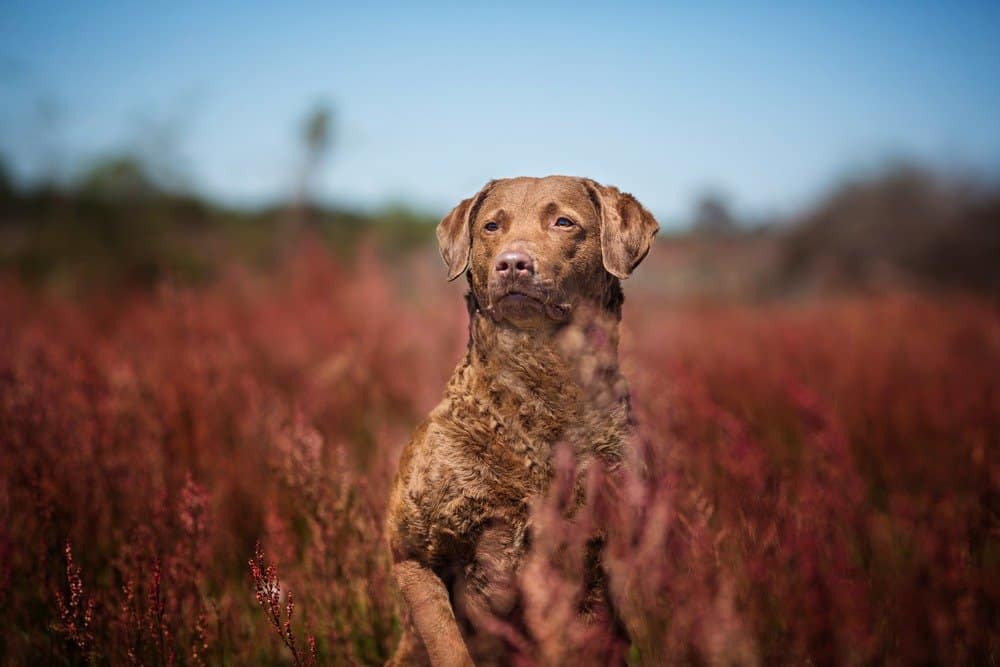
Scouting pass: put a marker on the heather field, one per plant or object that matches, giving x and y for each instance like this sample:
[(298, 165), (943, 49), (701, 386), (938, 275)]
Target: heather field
[(197, 473)]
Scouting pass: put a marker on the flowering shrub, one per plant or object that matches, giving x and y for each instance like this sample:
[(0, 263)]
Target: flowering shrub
[(811, 482)]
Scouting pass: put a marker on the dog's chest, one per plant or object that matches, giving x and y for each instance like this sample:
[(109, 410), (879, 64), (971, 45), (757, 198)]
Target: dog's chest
[(489, 454), (483, 468), (502, 467)]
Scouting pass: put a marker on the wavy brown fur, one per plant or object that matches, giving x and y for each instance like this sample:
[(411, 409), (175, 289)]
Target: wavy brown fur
[(459, 514)]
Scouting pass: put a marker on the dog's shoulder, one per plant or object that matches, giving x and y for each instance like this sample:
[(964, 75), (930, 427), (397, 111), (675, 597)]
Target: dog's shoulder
[(437, 497), (458, 472)]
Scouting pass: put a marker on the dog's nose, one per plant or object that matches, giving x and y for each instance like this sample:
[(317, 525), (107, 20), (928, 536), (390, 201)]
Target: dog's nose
[(515, 264)]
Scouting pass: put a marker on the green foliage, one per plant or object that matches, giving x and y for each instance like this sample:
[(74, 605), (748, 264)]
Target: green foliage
[(118, 229), (117, 177), (6, 181)]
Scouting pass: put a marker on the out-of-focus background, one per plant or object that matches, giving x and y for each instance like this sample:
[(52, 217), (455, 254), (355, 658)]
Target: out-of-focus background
[(222, 311), (783, 149)]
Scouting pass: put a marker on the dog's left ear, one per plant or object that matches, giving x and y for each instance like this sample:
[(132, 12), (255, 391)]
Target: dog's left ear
[(627, 229), (454, 233)]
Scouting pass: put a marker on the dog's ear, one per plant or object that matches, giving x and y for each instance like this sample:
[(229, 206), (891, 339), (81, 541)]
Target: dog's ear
[(627, 229), (454, 233)]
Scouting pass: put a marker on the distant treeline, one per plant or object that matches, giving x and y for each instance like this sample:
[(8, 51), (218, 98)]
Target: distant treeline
[(116, 227), (901, 226)]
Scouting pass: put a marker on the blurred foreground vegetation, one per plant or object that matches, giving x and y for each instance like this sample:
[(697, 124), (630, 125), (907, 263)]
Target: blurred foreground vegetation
[(819, 479), (810, 483)]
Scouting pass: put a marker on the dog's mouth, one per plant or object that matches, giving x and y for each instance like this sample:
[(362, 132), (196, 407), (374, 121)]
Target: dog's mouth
[(518, 297), (523, 301)]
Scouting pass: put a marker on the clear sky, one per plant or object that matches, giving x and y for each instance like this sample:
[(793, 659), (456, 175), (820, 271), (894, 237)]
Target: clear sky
[(770, 104)]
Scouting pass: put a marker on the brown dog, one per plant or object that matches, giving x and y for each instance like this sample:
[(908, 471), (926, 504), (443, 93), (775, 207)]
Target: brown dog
[(544, 259)]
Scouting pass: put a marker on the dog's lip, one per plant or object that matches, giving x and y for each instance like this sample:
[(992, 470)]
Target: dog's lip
[(537, 299), (519, 294)]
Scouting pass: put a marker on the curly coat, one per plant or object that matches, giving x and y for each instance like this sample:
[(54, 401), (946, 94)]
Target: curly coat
[(541, 368)]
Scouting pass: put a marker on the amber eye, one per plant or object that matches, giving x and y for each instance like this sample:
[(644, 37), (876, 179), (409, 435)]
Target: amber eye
[(565, 222), (491, 226)]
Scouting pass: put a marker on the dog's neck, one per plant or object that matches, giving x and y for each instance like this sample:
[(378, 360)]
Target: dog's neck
[(580, 351), (564, 379), (558, 347)]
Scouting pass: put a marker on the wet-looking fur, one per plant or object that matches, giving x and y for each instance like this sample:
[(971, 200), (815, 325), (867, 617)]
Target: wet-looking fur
[(544, 258)]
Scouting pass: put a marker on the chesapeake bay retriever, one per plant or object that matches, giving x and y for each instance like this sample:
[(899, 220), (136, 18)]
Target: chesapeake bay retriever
[(544, 257)]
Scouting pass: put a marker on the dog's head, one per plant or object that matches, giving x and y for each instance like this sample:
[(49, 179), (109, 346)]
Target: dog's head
[(536, 248)]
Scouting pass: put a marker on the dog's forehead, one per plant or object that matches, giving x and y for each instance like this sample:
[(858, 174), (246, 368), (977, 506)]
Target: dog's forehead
[(525, 194)]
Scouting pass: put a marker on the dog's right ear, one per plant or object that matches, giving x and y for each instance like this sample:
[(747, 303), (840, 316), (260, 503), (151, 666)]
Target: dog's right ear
[(627, 228), (454, 233)]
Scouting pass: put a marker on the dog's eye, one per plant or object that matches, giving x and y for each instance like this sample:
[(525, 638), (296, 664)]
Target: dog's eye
[(491, 226), (564, 222)]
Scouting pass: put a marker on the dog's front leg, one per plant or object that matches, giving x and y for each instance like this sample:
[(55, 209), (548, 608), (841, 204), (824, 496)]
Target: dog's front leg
[(431, 613)]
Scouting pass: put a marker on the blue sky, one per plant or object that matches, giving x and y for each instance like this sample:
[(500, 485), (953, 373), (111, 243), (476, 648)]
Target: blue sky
[(768, 104)]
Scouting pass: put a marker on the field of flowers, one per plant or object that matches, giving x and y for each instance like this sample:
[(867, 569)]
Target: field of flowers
[(198, 475)]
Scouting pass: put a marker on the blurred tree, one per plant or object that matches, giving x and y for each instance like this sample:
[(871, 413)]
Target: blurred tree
[(905, 224), (316, 138), (712, 216), (316, 141), (46, 136), (157, 142), (6, 182), (117, 177)]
